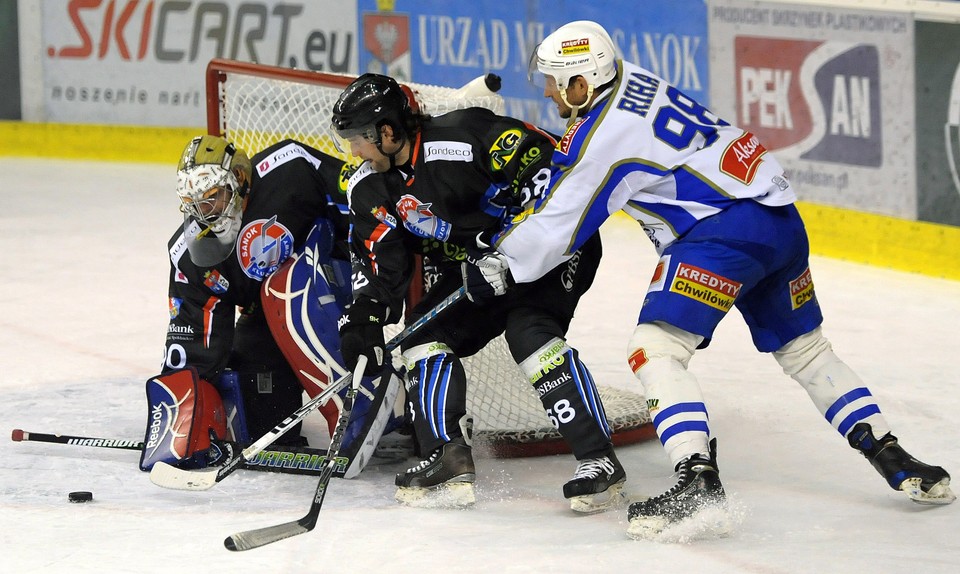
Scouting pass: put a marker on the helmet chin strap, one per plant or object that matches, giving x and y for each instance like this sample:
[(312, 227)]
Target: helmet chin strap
[(575, 108), (392, 156)]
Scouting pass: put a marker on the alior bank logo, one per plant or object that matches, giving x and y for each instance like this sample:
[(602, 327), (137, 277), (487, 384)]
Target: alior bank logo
[(816, 100), (951, 130)]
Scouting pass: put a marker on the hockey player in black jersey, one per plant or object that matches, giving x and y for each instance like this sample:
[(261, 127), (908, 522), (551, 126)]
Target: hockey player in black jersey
[(439, 187), (267, 238)]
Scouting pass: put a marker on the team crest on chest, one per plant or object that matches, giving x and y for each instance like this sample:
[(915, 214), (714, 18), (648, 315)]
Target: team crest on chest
[(262, 246), (420, 220)]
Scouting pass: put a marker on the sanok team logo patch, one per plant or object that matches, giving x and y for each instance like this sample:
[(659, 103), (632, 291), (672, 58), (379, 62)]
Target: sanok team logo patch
[(262, 246), (420, 220)]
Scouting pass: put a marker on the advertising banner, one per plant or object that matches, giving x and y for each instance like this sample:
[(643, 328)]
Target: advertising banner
[(142, 62), (451, 43), (938, 122), (828, 90)]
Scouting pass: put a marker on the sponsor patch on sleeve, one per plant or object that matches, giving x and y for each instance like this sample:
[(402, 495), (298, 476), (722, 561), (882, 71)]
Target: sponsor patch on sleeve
[(742, 158)]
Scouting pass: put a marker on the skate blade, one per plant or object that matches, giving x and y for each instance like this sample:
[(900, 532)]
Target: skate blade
[(602, 501), (938, 494), (447, 495), (714, 521)]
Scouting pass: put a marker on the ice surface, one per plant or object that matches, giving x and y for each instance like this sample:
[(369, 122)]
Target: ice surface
[(82, 327)]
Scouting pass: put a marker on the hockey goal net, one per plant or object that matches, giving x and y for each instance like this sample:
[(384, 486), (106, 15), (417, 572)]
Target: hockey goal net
[(256, 105)]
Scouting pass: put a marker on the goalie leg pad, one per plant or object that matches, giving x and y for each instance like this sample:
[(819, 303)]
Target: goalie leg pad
[(839, 394), (184, 413), (302, 302), (659, 355), (570, 398)]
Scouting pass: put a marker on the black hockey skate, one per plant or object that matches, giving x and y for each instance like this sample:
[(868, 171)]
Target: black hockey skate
[(698, 487), (924, 484), (597, 485), (444, 479)]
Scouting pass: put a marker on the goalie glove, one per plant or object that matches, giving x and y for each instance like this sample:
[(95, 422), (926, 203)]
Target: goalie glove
[(486, 273)]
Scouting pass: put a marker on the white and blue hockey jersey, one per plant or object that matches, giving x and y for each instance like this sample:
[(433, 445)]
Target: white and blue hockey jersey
[(651, 151)]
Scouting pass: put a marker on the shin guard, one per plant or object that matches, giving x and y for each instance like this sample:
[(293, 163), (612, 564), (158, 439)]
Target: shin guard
[(436, 394), (839, 394), (570, 398)]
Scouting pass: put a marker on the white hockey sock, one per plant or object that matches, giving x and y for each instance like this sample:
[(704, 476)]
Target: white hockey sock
[(838, 393), (659, 354)]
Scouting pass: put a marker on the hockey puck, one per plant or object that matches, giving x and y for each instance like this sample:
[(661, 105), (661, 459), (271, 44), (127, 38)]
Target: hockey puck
[(81, 496)]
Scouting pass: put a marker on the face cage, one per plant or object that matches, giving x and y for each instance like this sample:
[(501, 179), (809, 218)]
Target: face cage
[(193, 204)]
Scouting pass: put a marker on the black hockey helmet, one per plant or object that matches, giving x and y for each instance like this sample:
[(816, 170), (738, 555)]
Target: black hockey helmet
[(369, 102)]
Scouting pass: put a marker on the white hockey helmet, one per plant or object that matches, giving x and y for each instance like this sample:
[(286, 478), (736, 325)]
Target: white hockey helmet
[(581, 48), (212, 178)]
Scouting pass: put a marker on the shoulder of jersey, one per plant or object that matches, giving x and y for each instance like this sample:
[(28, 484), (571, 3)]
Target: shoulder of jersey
[(365, 169)]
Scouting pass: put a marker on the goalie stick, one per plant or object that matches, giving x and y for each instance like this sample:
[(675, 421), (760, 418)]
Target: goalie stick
[(118, 443), (169, 476), (285, 459), (250, 539)]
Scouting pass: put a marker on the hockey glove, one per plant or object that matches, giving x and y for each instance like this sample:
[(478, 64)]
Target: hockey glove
[(485, 273), (361, 333)]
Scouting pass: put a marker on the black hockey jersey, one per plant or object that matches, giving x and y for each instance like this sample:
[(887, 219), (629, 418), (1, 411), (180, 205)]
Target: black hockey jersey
[(468, 171), (292, 186)]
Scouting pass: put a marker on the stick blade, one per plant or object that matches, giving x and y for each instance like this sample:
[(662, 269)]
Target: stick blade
[(251, 539), (169, 476)]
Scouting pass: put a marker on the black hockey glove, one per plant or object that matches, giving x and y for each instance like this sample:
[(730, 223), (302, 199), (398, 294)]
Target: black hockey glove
[(485, 273), (361, 333)]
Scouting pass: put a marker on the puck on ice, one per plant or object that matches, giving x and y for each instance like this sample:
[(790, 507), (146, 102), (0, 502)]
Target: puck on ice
[(81, 496)]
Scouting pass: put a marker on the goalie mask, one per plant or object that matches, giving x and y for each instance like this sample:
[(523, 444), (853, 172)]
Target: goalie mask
[(212, 179), (580, 48)]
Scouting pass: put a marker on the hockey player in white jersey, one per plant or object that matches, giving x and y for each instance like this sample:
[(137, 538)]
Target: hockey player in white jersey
[(719, 211)]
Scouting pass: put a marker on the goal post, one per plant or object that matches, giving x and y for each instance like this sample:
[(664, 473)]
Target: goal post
[(255, 106)]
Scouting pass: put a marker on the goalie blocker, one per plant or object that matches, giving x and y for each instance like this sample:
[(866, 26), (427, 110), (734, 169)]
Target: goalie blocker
[(191, 422)]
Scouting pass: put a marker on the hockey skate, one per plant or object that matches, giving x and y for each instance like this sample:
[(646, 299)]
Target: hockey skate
[(443, 480), (597, 485), (924, 484), (698, 488)]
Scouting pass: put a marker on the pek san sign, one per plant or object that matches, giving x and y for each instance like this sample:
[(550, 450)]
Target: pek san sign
[(829, 91), (142, 62)]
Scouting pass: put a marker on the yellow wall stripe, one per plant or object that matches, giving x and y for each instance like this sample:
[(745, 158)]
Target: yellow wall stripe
[(883, 241), (96, 142)]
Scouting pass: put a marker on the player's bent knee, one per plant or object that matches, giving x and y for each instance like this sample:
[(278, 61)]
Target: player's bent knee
[(658, 340), (425, 351), (805, 353), (542, 360)]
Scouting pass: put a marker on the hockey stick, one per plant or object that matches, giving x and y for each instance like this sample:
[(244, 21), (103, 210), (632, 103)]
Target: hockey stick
[(118, 443), (251, 539), (169, 476)]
